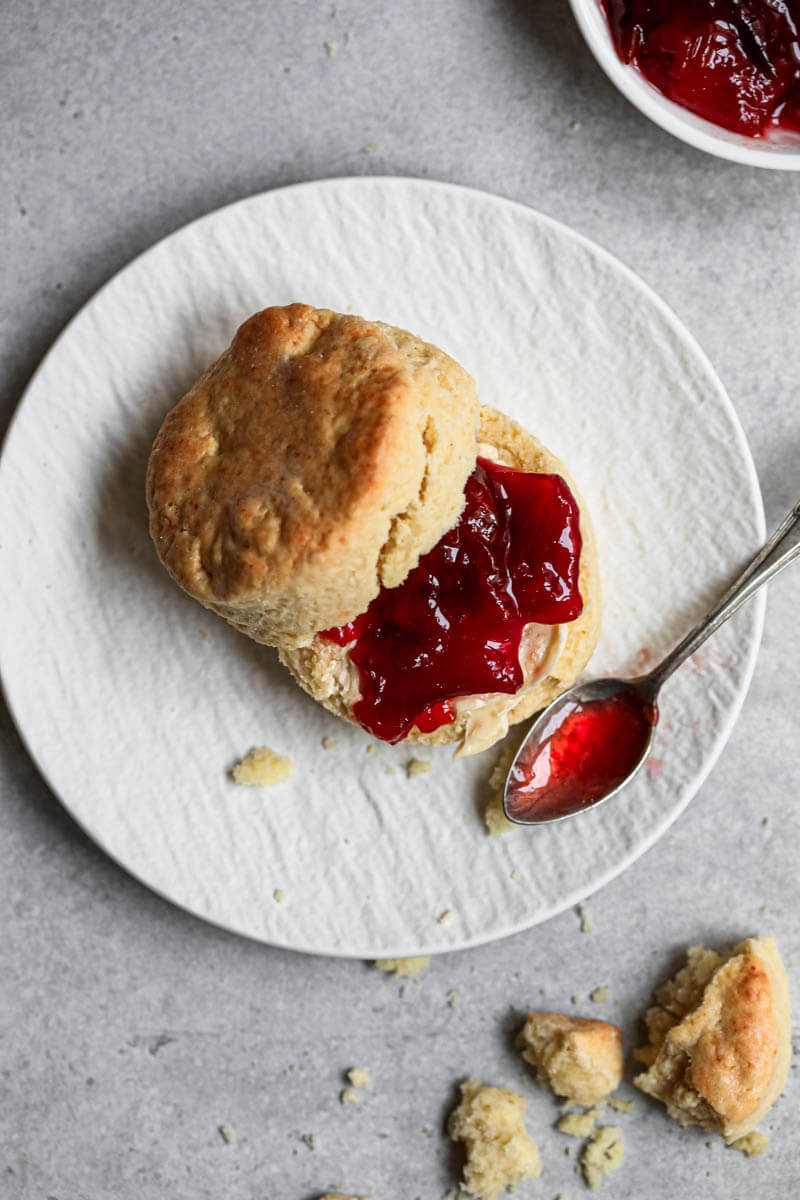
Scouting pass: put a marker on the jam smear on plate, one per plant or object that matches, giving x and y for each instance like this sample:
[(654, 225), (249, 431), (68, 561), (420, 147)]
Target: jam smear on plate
[(586, 751), (734, 62), (453, 627)]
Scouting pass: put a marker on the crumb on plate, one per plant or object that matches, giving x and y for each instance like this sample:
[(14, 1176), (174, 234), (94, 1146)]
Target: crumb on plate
[(262, 767)]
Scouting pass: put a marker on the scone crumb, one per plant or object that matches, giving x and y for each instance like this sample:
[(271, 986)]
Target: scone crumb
[(500, 1151), (226, 1133), (262, 767), (445, 916), (391, 769), (347, 1096), (752, 1144), (453, 997), (330, 47), (341, 1196), (371, 148), (574, 999), (359, 1077), (622, 1105), (580, 1124), (417, 766), (279, 896), (310, 1140), (586, 920), (405, 968), (494, 818), (329, 743), (600, 994), (370, 749), (603, 1153)]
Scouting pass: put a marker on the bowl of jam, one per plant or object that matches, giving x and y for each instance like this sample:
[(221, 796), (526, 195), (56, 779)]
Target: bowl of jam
[(722, 75)]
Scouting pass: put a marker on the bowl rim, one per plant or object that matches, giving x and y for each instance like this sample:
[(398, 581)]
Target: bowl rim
[(672, 117)]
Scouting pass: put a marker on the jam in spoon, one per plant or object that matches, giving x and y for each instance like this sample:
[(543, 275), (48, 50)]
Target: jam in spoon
[(592, 739)]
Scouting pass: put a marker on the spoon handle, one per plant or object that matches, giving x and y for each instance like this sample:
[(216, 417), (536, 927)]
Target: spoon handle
[(782, 547)]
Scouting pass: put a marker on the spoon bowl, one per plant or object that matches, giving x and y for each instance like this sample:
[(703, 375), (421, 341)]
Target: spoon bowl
[(586, 745), (581, 750)]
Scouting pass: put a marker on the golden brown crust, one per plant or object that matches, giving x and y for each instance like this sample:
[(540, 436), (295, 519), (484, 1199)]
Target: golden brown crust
[(577, 1057), (720, 1038), (323, 669), (315, 460)]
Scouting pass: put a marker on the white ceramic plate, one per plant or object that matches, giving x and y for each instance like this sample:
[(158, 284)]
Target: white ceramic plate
[(134, 701)]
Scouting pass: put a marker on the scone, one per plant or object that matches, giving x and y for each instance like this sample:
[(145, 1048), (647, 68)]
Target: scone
[(720, 1038), (579, 1058), (331, 488)]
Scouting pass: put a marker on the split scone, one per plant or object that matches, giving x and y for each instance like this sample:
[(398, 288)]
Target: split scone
[(331, 487), (579, 1058), (720, 1038)]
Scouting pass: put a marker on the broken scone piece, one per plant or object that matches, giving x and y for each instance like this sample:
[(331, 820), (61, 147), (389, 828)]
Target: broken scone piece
[(500, 1151), (720, 1038), (578, 1058)]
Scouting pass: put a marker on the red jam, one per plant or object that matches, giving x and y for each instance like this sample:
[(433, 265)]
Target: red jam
[(734, 62), (453, 627), (587, 751)]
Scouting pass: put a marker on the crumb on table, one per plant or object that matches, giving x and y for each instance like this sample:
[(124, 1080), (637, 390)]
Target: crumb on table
[(405, 968), (580, 1124), (586, 920), (752, 1144), (359, 1077), (600, 994), (604, 1152), (417, 766)]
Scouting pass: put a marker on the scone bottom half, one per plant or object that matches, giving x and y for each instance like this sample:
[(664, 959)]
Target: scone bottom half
[(331, 487)]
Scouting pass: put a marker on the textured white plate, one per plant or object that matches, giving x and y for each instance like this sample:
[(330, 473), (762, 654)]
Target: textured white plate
[(134, 701)]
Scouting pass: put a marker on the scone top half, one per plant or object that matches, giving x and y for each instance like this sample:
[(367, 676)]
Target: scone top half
[(311, 464)]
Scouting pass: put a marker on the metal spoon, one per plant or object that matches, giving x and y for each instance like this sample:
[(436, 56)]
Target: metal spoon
[(526, 802)]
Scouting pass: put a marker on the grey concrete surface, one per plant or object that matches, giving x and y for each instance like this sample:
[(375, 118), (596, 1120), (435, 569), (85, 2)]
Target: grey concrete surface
[(129, 1032)]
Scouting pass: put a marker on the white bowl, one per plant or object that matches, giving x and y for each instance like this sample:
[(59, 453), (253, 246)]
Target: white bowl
[(781, 155)]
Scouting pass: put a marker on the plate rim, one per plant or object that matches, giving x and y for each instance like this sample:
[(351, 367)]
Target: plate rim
[(758, 605)]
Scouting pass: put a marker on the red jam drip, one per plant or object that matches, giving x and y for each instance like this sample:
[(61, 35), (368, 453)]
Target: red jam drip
[(453, 627), (734, 62), (587, 751)]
